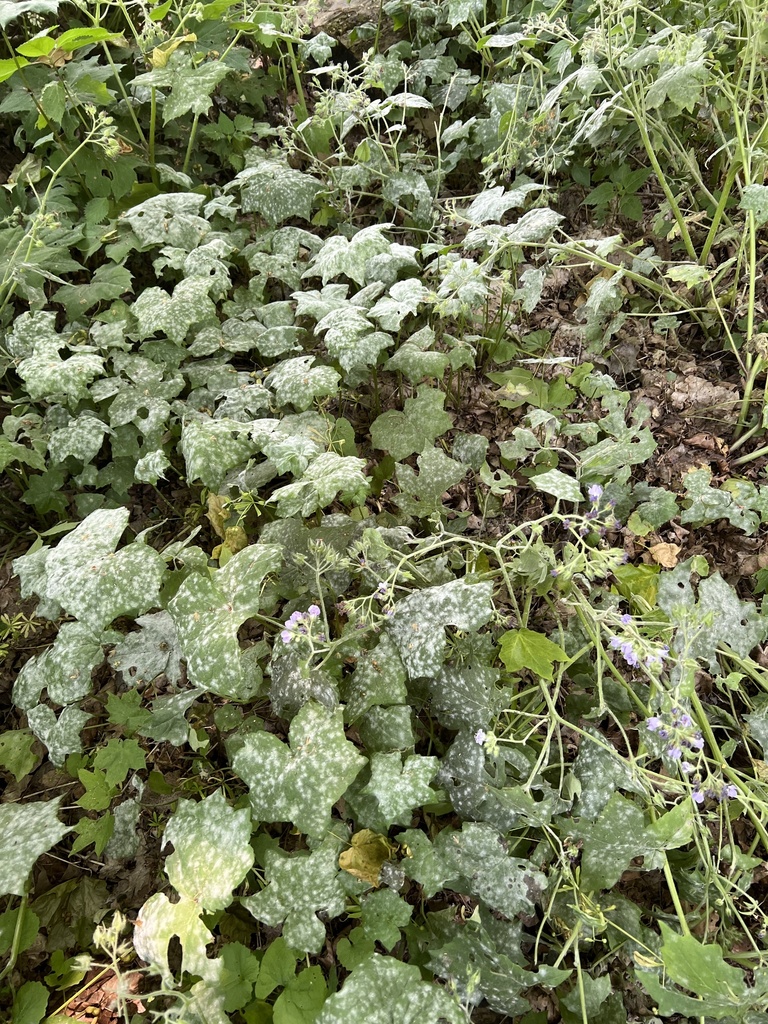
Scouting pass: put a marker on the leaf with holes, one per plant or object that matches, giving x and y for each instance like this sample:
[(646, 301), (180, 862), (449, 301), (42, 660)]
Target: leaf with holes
[(297, 382), (349, 256), (169, 219), (27, 830), (302, 781), (208, 612), (299, 887), (419, 621), (276, 191), (212, 853), (325, 478), (211, 447), (151, 651), (81, 439), (417, 427), (389, 990), (389, 789), (50, 377), (158, 922)]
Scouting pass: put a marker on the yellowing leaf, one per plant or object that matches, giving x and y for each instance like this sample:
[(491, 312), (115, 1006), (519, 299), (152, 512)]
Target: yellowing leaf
[(524, 648), (364, 858)]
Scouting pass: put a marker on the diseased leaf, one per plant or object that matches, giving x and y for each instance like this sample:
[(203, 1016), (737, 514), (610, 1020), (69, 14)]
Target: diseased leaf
[(277, 192), (60, 735), (339, 255), (211, 447), (151, 651), (297, 382), (26, 831), (386, 793), (211, 850), (300, 886), (169, 219), (329, 476), (302, 781), (384, 913), (390, 991), (417, 427), (64, 670), (158, 922)]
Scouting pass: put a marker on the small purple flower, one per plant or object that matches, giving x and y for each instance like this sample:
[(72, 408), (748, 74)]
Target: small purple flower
[(628, 654), (684, 721), (294, 618), (663, 734), (625, 619), (554, 572), (652, 723), (612, 503), (286, 636), (616, 642), (592, 514), (389, 611), (595, 493), (382, 587), (730, 792), (480, 737), (698, 796), (313, 611), (686, 767), (674, 753), (697, 743), (566, 524)]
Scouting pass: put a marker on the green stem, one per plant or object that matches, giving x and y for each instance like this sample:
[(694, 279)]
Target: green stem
[(14, 953), (190, 144)]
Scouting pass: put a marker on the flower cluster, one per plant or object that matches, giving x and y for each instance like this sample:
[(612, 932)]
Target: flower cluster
[(634, 648), (300, 624), (678, 731)]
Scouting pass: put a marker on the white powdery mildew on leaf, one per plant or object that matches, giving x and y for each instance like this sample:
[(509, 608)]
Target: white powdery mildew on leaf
[(425, 862), (211, 447), (169, 219), (173, 315), (420, 423), (96, 584), (151, 468), (465, 697), (393, 790), (61, 736), (300, 783), (418, 625), (349, 256), (507, 884), (612, 842), (48, 376), (209, 612), (297, 382), (379, 678), (299, 887), (351, 339), (26, 832), (82, 439), (330, 474), (64, 669), (493, 203), (157, 923), (276, 191), (389, 991), (211, 850), (151, 651), (403, 300), (601, 771)]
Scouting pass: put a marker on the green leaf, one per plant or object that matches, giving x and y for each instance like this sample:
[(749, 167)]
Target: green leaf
[(211, 850), (151, 651), (191, 88), (118, 758), (212, 447), (277, 192), (681, 84), (278, 966), (29, 1003), (611, 843), (302, 998), (29, 927), (173, 315), (422, 495), (349, 257), (493, 203), (94, 831), (379, 678), (241, 971), (383, 914), (16, 754), (64, 669), (10, 10), (386, 793), (209, 611), (13, 451), (418, 624), (524, 648), (50, 377), (109, 281), (299, 887), (325, 478), (299, 783), (82, 439), (478, 855), (61, 736), (158, 922), (402, 300), (26, 832), (169, 219), (91, 580), (389, 990), (559, 484), (754, 198), (297, 382), (417, 427), (98, 792)]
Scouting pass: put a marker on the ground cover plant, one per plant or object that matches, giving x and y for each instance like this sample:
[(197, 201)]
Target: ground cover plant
[(382, 624)]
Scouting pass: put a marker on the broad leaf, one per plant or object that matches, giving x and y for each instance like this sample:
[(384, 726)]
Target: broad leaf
[(416, 428), (211, 447), (158, 922), (297, 382), (387, 793), (26, 831), (524, 648), (328, 476), (64, 670), (277, 192), (299, 783), (342, 256)]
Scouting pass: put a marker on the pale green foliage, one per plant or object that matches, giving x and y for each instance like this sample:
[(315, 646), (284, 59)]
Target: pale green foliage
[(325, 478), (27, 831), (417, 427), (340, 256), (418, 625), (60, 735), (302, 781), (299, 886), (211, 447), (275, 191), (149, 652), (158, 922), (170, 219), (64, 669), (211, 850), (297, 382), (391, 789)]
